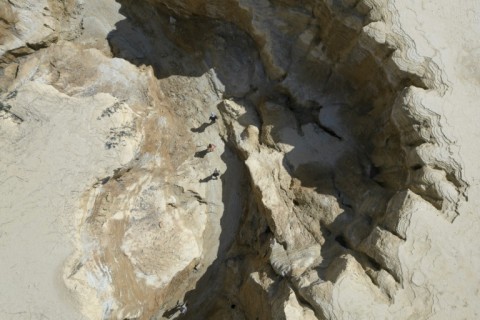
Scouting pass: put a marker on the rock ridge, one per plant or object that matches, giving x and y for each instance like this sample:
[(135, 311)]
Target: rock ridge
[(338, 177)]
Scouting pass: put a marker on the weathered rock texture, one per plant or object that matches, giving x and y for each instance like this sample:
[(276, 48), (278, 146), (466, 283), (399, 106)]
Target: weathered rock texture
[(345, 141)]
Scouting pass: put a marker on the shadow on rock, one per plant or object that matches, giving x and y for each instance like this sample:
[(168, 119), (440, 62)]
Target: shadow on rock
[(201, 128), (201, 154), (204, 180), (186, 46), (175, 311), (233, 196)]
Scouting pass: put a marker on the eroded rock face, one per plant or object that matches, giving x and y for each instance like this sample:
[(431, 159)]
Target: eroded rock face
[(342, 193)]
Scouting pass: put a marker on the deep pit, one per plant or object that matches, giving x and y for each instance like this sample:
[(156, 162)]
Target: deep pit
[(314, 110)]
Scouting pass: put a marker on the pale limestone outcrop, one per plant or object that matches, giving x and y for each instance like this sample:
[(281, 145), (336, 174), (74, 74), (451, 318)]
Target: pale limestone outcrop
[(343, 189), (32, 25), (53, 162)]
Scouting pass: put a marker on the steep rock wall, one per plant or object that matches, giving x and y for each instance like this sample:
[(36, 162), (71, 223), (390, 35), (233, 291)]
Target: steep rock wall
[(333, 159), (340, 69)]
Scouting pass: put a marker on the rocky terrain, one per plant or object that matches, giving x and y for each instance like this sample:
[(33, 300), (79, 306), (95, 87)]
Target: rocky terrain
[(346, 140)]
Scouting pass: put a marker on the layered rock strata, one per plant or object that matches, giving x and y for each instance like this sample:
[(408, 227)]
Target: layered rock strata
[(340, 178)]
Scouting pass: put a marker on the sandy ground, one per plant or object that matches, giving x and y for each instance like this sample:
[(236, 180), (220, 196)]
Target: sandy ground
[(47, 162), (448, 32)]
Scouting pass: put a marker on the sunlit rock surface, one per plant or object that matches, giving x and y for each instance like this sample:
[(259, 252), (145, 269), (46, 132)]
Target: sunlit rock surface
[(346, 144)]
